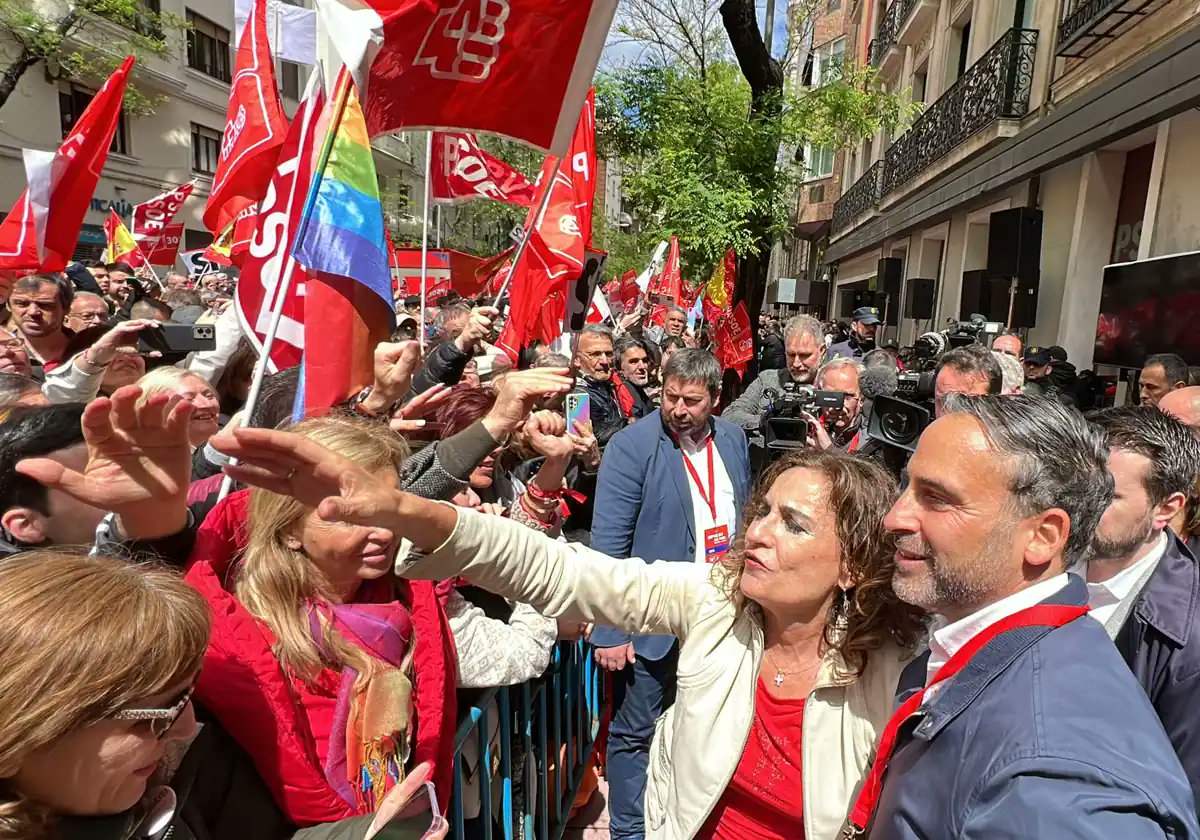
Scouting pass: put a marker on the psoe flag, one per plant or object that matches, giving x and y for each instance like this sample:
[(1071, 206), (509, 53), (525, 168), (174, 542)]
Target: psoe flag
[(342, 244), (518, 68)]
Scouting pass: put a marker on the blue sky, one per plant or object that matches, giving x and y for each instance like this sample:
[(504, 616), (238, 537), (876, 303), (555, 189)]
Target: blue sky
[(620, 54)]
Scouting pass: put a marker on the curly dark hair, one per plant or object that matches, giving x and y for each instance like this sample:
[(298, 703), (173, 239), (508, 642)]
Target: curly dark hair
[(860, 495)]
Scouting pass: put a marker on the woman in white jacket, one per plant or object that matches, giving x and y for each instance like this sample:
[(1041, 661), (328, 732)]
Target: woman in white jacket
[(790, 650)]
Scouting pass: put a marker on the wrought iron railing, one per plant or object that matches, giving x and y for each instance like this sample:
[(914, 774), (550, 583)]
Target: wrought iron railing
[(893, 21), (995, 87), (857, 200), (1081, 18), (539, 736)]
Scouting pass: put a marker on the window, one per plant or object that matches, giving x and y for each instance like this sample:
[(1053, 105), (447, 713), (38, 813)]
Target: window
[(208, 47), (71, 102), (206, 149), (818, 162), (825, 64), (289, 79), (833, 5)]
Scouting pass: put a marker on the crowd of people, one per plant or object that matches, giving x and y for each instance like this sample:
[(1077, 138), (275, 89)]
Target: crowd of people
[(1000, 641)]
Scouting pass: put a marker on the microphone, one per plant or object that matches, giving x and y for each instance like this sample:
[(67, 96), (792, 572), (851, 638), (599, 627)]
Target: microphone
[(878, 381)]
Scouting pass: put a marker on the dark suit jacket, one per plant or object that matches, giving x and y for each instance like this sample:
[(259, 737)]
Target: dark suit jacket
[(644, 504)]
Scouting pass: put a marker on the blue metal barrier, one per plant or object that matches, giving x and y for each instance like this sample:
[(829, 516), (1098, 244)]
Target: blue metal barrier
[(555, 719)]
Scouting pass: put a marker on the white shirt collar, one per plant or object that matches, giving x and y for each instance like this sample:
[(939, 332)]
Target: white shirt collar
[(945, 640), (1118, 587)]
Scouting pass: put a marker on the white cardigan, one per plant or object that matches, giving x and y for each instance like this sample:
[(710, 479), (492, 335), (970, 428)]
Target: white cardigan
[(699, 741)]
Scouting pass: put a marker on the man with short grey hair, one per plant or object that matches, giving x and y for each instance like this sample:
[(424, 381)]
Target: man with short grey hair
[(804, 343), (671, 487), (675, 322), (611, 403), (1023, 708)]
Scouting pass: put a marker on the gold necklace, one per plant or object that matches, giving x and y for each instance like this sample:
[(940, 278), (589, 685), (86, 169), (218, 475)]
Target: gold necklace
[(779, 672)]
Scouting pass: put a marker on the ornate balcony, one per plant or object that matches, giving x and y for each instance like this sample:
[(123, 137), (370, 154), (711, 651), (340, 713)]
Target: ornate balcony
[(857, 200), (889, 32), (1086, 25), (995, 87)]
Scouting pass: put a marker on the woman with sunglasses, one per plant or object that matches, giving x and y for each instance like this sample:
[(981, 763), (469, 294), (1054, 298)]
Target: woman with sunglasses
[(98, 734)]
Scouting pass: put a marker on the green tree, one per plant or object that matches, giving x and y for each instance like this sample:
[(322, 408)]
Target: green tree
[(84, 41), (708, 137)]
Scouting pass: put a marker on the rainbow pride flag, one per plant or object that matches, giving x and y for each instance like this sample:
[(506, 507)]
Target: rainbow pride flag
[(340, 240)]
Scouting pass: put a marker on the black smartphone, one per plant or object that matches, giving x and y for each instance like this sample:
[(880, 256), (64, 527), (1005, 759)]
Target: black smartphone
[(176, 339)]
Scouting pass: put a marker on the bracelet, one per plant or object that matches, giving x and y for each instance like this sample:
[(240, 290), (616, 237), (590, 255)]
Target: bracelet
[(541, 495), (99, 368)]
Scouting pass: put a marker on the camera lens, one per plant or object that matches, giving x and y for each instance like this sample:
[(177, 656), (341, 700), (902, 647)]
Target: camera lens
[(901, 427)]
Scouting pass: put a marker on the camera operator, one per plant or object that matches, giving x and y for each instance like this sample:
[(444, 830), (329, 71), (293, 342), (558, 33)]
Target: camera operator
[(971, 370), (862, 335), (839, 428), (804, 341)]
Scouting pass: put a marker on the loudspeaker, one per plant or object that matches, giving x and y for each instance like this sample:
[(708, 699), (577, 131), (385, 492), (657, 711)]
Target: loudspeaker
[(889, 277), (811, 293), (918, 298), (976, 296), (1015, 243), (1024, 302)]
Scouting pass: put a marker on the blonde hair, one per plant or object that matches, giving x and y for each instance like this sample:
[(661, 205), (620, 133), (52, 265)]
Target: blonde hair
[(276, 582), (164, 380), (80, 638)]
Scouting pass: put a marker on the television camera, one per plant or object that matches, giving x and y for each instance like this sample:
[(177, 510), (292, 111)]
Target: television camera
[(785, 421)]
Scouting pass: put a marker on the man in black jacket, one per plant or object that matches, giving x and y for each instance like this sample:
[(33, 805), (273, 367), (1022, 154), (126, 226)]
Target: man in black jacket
[(633, 366), (1143, 584), (594, 359)]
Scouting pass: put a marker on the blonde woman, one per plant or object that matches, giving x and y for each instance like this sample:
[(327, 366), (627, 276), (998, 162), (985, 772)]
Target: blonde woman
[(790, 650), (191, 388), (334, 675), (98, 737)]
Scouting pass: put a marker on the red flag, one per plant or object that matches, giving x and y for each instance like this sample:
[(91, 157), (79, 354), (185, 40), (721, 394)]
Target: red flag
[(268, 254), (255, 127), (151, 218), (557, 245), (629, 291), (670, 282), (735, 340), (463, 171), (244, 227), (518, 68), (166, 248), (42, 228)]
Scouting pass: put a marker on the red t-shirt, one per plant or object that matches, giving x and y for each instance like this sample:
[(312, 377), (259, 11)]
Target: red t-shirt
[(765, 798)]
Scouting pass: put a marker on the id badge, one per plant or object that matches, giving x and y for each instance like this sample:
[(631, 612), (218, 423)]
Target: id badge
[(716, 543)]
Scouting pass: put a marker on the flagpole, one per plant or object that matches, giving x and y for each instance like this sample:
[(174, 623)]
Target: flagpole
[(425, 234), (537, 218), (439, 227), (260, 367)]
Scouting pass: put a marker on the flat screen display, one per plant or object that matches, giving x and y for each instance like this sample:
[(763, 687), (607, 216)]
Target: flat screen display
[(1147, 307)]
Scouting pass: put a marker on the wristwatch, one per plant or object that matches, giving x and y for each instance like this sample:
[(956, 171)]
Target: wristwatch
[(362, 411)]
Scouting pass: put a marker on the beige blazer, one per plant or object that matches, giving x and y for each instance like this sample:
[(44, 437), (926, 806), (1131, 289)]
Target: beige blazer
[(699, 741)]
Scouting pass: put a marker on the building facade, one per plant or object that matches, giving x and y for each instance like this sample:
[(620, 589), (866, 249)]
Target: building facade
[(1083, 110)]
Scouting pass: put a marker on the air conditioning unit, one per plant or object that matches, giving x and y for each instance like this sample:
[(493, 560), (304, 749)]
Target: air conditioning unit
[(816, 194)]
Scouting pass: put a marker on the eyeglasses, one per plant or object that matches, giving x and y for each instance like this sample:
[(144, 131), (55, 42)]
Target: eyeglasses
[(161, 721), (90, 317), (11, 344)]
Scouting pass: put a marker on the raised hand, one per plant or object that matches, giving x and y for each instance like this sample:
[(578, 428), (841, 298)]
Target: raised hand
[(292, 465), (122, 338), (478, 328), (410, 416), (139, 462), (517, 395), (547, 435), (394, 368), (586, 445)]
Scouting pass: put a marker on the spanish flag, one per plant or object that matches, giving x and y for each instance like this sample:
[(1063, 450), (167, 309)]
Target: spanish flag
[(121, 245)]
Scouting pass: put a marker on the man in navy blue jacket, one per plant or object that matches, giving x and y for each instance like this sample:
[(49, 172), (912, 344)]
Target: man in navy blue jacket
[(672, 487), (1143, 584), (1040, 730)]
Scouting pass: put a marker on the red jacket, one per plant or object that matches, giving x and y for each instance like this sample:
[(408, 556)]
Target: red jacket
[(243, 684)]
